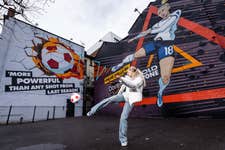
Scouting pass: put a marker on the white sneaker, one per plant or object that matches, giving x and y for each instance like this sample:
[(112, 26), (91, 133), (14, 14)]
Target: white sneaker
[(89, 114), (117, 67), (124, 143), (128, 59)]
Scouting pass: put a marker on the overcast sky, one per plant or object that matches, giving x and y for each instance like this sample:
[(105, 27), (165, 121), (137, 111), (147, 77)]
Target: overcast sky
[(89, 20)]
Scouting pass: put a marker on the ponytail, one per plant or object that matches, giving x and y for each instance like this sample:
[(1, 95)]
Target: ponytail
[(142, 76)]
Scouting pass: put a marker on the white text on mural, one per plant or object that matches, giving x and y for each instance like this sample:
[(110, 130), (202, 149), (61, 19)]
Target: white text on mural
[(151, 72), (23, 81)]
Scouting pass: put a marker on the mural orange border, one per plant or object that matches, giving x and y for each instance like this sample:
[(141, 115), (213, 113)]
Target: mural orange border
[(187, 97)]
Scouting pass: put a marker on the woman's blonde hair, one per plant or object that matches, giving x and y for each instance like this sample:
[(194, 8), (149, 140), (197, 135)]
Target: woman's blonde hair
[(137, 72)]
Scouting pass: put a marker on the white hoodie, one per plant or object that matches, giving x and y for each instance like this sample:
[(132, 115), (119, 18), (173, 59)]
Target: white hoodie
[(133, 89)]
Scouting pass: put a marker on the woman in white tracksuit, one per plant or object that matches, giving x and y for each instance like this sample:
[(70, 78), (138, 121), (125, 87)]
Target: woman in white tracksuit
[(130, 92)]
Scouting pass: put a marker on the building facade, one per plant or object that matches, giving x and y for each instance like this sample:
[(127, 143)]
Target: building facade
[(193, 33), (39, 72)]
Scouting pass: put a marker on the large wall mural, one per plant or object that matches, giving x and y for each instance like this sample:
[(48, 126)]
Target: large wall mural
[(179, 46), (43, 66)]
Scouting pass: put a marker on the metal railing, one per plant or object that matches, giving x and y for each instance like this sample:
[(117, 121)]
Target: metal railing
[(20, 114)]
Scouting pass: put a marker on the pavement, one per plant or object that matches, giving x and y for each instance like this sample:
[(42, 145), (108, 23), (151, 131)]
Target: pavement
[(101, 133)]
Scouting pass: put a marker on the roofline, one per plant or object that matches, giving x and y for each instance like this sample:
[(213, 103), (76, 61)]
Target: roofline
[(88, 56), (146, 8), (46, 31)]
